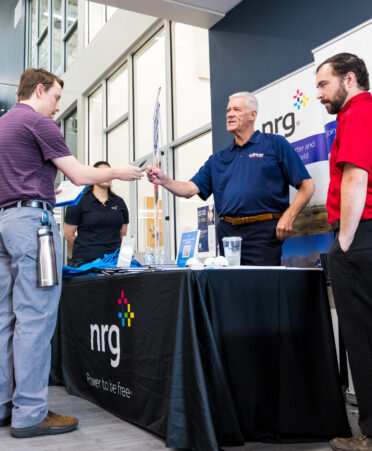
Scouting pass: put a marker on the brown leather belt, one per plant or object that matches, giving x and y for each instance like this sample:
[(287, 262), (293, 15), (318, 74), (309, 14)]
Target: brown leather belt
[(251, 219)]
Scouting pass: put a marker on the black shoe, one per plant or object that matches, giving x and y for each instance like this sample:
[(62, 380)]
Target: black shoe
[(5, 421)]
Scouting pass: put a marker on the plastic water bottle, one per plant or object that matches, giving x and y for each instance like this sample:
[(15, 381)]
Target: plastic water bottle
[(148, 258), (46, 258)]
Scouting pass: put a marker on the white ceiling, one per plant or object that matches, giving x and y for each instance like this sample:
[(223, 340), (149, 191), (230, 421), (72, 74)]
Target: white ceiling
[(200, 13)]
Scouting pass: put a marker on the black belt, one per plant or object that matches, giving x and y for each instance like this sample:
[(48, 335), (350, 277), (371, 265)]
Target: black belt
[(336, 226), (31, 203)]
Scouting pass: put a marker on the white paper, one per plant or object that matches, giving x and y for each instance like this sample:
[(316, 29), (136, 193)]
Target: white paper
[(69, 192)]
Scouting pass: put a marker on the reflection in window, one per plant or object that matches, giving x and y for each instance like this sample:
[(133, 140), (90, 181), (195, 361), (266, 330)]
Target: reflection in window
[(118, 155), (149, 75), (95, 126), (96, 19), (145, 215), (34, 34), (71, 48), (117, 94), (43, 53), (57, 38), (191, 78), (71, 12), (71, 128), (188, 159), (98, 15), (44, 15), (45, 28)]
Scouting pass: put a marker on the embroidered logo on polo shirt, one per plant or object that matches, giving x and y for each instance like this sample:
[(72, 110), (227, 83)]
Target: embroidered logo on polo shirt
[(114, 207), (256, 155)]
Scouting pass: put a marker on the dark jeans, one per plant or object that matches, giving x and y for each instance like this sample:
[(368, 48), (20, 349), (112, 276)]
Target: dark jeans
[(351, 278), (260, 247)]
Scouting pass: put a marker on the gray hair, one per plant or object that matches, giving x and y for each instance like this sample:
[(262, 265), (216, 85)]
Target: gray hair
[(250, 99)]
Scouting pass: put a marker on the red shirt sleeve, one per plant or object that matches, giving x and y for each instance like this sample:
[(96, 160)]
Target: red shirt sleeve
[(355, 144)]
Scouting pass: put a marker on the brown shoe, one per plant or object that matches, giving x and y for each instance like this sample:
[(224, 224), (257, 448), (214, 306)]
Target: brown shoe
[(357, 443), (5, 421), (51, 425)]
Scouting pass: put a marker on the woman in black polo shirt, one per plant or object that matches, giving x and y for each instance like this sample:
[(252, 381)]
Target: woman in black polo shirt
[(101, 219)]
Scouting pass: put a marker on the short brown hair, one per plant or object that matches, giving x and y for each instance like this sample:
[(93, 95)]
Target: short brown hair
[(31, 78), (342, 63)]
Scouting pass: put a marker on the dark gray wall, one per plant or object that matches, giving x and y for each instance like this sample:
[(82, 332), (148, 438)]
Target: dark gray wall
[(12, 52), (260, 41)]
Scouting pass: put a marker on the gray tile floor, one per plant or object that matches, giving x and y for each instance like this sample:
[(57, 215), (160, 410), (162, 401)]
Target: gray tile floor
[(100, 431)]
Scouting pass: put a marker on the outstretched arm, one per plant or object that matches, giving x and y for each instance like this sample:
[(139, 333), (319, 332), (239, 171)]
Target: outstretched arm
[(180, 189), (81, 174), (305, 192)]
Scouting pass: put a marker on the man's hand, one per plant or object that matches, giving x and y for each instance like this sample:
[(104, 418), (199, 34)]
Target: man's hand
[(129, 173), (155, 175), (284, 227), (181, 189)]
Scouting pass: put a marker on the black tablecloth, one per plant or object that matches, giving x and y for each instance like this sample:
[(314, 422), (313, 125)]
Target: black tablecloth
[(210, 358)]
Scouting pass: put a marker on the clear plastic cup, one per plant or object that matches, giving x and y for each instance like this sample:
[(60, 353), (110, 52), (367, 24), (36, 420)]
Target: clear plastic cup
[(232, 249)]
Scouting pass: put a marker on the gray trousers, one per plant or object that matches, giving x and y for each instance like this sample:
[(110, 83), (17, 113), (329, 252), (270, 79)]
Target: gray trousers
[(27, 317)]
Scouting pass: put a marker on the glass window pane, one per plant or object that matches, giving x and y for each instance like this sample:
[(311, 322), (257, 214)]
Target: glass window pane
[(110, 12), (57, 38), (95, 126), (43, 53), (192, 102), (34, 35), (145, 215), (71, 48), (71, 12), (96, 19), (118, 155), (117, 94), (188, 159), (71, 128), (44, 15), (149, 75)]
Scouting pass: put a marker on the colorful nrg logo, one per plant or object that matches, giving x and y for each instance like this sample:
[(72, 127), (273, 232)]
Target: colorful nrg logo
[(301, 99), (126, 315)]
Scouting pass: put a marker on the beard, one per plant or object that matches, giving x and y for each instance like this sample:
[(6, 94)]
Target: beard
[(334, 106)]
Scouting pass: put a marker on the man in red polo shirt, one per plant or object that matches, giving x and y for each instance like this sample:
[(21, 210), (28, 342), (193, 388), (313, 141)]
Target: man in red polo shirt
[(342, 83)]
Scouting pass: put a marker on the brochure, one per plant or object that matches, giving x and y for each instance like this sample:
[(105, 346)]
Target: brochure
[(207, 240), (188, 247), (70, 195)]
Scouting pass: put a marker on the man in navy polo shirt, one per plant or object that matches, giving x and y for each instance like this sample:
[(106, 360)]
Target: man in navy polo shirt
[(250, 183)]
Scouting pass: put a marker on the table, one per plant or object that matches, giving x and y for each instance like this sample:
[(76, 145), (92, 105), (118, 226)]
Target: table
[(206, 358)]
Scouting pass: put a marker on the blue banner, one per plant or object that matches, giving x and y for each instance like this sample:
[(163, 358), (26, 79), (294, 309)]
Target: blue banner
[(312, 149), (330, 134)]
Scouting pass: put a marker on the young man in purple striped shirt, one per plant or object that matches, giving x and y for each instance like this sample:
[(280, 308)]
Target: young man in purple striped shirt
[(32, 149)]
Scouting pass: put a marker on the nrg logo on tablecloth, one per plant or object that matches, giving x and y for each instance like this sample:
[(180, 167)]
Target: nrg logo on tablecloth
[(103, 334)]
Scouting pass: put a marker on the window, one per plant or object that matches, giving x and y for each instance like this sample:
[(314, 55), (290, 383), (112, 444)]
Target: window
[(118, 155), (52, 34), (121, 111), (192, 100), (149, 76), (117, 95), (189, 158), (95, 126), (98, 15)]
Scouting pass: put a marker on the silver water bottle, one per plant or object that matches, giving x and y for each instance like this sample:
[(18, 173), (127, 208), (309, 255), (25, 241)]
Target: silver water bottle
[(47, 266)]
